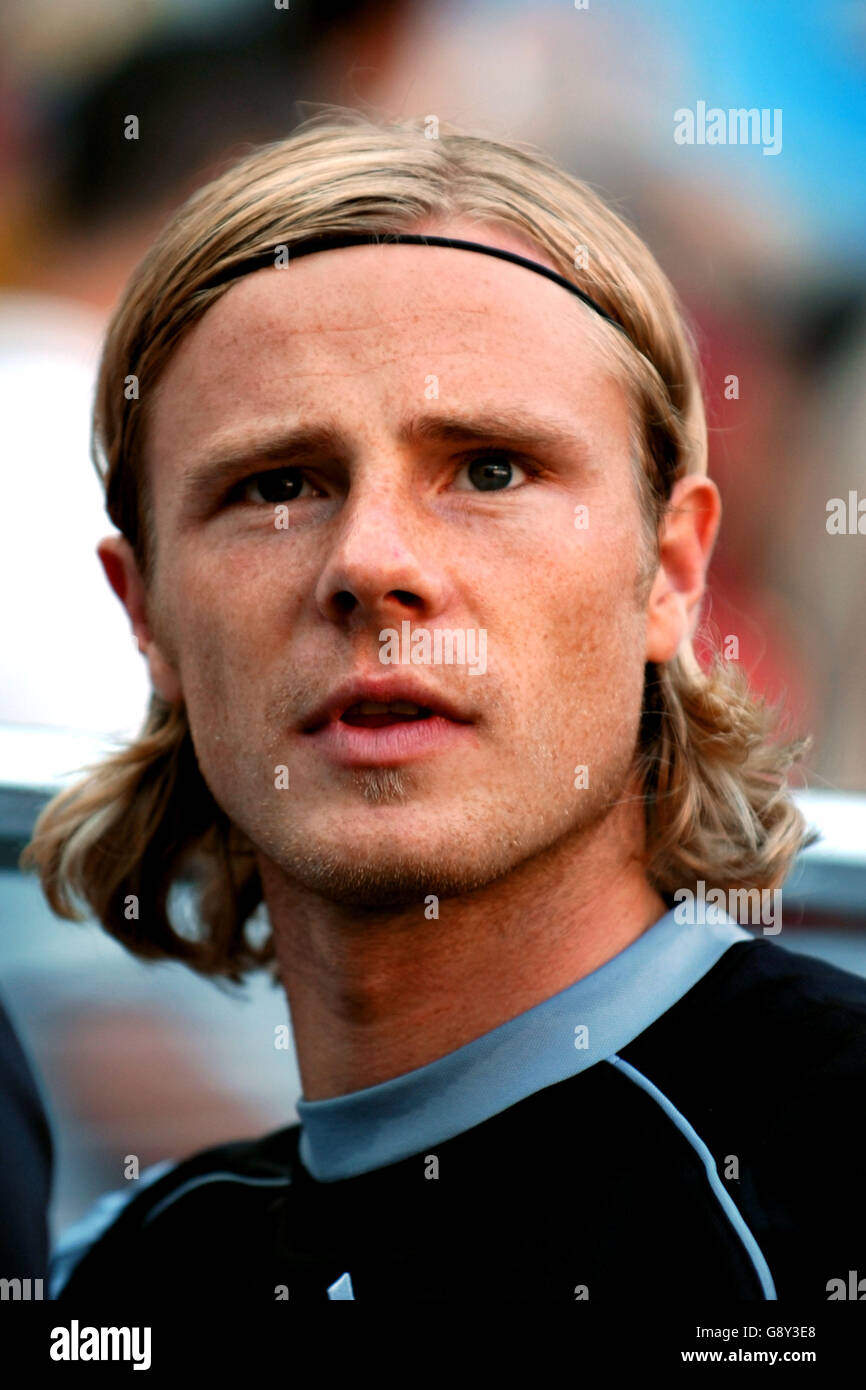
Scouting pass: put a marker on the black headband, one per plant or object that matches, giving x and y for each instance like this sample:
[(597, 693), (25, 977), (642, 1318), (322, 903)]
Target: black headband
[(264, 260)]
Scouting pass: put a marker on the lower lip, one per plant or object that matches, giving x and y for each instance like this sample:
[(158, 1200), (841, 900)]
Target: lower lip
[(355, 746)]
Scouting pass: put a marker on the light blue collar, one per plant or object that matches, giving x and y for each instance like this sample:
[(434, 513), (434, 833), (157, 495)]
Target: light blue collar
[(583, 1024)]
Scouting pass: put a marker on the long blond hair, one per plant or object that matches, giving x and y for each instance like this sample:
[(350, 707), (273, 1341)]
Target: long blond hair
[(714, 776)]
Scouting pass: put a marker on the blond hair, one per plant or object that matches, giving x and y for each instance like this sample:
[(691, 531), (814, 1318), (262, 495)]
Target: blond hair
[(714, 779)]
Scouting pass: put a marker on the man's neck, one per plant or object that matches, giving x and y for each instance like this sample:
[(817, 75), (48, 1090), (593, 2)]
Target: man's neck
[(375, 995)]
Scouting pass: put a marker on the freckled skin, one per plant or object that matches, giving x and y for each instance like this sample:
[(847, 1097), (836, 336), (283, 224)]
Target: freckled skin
[(565, 656), (246, 628)]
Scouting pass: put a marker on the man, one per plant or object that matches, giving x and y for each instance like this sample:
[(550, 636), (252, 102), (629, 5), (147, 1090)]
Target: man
[(27, 1170), (414, 538)]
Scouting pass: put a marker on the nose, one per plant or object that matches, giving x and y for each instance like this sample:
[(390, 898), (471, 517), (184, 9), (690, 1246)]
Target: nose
[(380, 566)]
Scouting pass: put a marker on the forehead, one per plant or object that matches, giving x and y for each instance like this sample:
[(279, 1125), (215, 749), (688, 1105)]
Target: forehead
[(368, 333)]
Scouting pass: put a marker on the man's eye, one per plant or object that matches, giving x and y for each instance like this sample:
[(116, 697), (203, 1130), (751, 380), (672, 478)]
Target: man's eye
[(277, 485), (492, 472), (495, 471)]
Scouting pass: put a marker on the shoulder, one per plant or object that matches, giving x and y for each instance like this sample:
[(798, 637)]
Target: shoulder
[(765, 1057), (763, 994), (767, 1052), (169, 1194), (28, 1159), (767, 1042), (804, 999)]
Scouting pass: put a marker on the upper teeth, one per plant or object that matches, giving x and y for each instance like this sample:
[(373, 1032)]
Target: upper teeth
[(395, 707)]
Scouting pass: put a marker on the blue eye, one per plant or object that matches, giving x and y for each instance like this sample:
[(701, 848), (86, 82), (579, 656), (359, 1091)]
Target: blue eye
[(492, 472)]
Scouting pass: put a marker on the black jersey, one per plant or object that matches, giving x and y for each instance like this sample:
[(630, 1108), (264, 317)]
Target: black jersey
[(686, 1121), (28, 1160)]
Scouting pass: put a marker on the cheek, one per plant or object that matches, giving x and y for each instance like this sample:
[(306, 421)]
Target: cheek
[(582, 621), (584, 593), (224, 612), (220, 632)]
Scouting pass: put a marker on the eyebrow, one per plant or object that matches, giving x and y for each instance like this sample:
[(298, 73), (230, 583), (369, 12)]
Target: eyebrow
[(293, 446)]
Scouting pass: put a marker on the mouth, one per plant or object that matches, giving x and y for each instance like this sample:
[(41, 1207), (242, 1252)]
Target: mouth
[(371, 714), (356, 729), (374, 704)]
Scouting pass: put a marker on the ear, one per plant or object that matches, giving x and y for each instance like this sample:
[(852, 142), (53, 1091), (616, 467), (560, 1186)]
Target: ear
[(121, 569), (686, 542)]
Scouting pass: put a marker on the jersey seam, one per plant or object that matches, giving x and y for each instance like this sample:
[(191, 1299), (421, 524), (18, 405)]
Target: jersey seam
[(723, 1197), (200, 1181)]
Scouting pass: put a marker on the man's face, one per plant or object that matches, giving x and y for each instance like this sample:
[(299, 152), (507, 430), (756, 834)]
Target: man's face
[(271, 593)]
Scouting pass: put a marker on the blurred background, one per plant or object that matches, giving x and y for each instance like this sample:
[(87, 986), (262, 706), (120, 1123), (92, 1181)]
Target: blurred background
[(766, 251)]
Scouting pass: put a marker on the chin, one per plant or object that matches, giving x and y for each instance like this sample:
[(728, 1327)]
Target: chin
[(380, 870), (387, 882)]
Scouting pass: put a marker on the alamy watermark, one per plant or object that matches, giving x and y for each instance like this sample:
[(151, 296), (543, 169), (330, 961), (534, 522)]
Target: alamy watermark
[(21, 1289), (738, 126), (442, 647), (847, 520), (757, 906), (77, 1343)]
